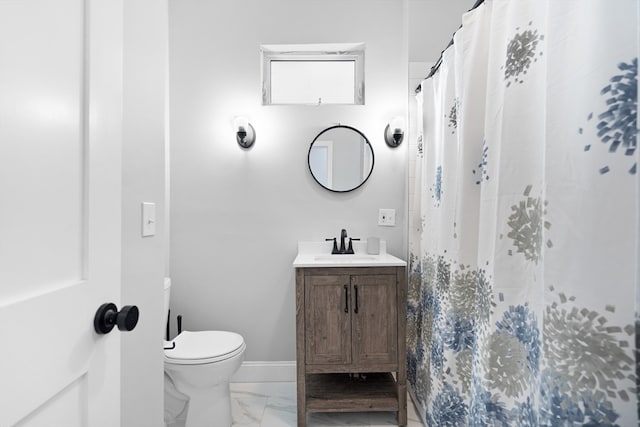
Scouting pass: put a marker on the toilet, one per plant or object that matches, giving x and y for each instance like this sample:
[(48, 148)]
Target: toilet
[(197, 374)]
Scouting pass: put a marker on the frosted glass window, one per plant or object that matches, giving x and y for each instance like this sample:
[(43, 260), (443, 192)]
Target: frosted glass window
[(313, 82), (313, 74)]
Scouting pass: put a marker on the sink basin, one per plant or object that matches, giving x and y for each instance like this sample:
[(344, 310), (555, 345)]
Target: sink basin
[(346, 259), (318, 254)]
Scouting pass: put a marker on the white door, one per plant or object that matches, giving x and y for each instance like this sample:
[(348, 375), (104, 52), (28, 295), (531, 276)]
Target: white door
[(60, 191)]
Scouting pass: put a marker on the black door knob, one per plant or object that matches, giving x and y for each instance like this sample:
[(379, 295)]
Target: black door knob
[(108, 316)]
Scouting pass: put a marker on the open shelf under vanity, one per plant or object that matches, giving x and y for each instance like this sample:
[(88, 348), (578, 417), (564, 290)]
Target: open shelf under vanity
[(351, 392)]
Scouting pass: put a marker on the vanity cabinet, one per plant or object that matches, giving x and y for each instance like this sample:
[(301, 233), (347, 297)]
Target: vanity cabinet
[(350, 326)]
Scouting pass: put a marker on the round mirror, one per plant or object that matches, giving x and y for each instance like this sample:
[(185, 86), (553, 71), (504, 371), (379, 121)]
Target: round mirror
[(340, 158)]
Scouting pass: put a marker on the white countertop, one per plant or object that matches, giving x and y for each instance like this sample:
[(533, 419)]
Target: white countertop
[(318, 254)]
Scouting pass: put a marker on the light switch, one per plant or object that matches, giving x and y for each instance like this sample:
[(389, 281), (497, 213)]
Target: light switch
[(148, 219)]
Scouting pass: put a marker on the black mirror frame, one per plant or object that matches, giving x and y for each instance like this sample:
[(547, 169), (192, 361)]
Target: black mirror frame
[(373, 158)]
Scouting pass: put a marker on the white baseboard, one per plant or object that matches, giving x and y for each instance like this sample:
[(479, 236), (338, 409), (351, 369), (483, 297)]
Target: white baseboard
[(263, 371)]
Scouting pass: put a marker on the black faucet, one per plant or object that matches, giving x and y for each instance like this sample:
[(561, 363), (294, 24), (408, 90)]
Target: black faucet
[(343, 235), (343, 249)]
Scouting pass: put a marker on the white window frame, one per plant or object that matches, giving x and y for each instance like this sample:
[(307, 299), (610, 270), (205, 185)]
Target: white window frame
[(314, 52)]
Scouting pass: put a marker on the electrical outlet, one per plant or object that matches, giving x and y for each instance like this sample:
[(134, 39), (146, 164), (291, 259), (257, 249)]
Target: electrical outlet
[(148, 219), (387, 217)]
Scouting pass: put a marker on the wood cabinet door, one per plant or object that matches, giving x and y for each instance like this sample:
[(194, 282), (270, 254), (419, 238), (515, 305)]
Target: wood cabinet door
[(374, 319), (327, 319)]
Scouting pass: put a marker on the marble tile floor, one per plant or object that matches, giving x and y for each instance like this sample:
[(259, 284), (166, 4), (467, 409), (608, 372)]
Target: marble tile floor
[(274, 405)]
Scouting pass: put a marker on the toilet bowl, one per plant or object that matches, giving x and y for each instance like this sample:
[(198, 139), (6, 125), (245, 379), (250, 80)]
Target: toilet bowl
[(197, 373)]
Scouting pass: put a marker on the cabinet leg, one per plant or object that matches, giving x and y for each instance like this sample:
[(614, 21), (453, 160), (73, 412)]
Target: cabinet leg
[(301, 401), (302, 414), (402, 405), (302, 418)]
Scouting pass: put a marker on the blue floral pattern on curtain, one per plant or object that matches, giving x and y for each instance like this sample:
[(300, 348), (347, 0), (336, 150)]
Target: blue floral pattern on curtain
[(525, 233)]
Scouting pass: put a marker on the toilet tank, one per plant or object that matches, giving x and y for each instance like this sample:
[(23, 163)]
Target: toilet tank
[(167, 295)]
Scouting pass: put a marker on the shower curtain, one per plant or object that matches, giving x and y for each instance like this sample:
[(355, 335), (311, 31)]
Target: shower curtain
[(524, 241)]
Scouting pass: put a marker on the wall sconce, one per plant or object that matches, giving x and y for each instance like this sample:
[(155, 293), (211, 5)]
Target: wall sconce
[(394, 132), (245, 134)]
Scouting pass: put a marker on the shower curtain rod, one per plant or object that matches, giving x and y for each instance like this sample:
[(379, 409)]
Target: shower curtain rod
[(439, 61)]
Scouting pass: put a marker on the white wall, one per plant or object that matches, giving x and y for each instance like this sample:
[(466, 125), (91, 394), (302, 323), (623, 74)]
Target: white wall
[(431, 26), (236, 215), (143, 259)]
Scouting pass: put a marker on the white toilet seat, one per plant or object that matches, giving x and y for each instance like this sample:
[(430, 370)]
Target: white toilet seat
[(200, 347)]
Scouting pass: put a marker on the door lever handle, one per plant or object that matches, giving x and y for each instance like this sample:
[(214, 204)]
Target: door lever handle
[(108, 316)]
